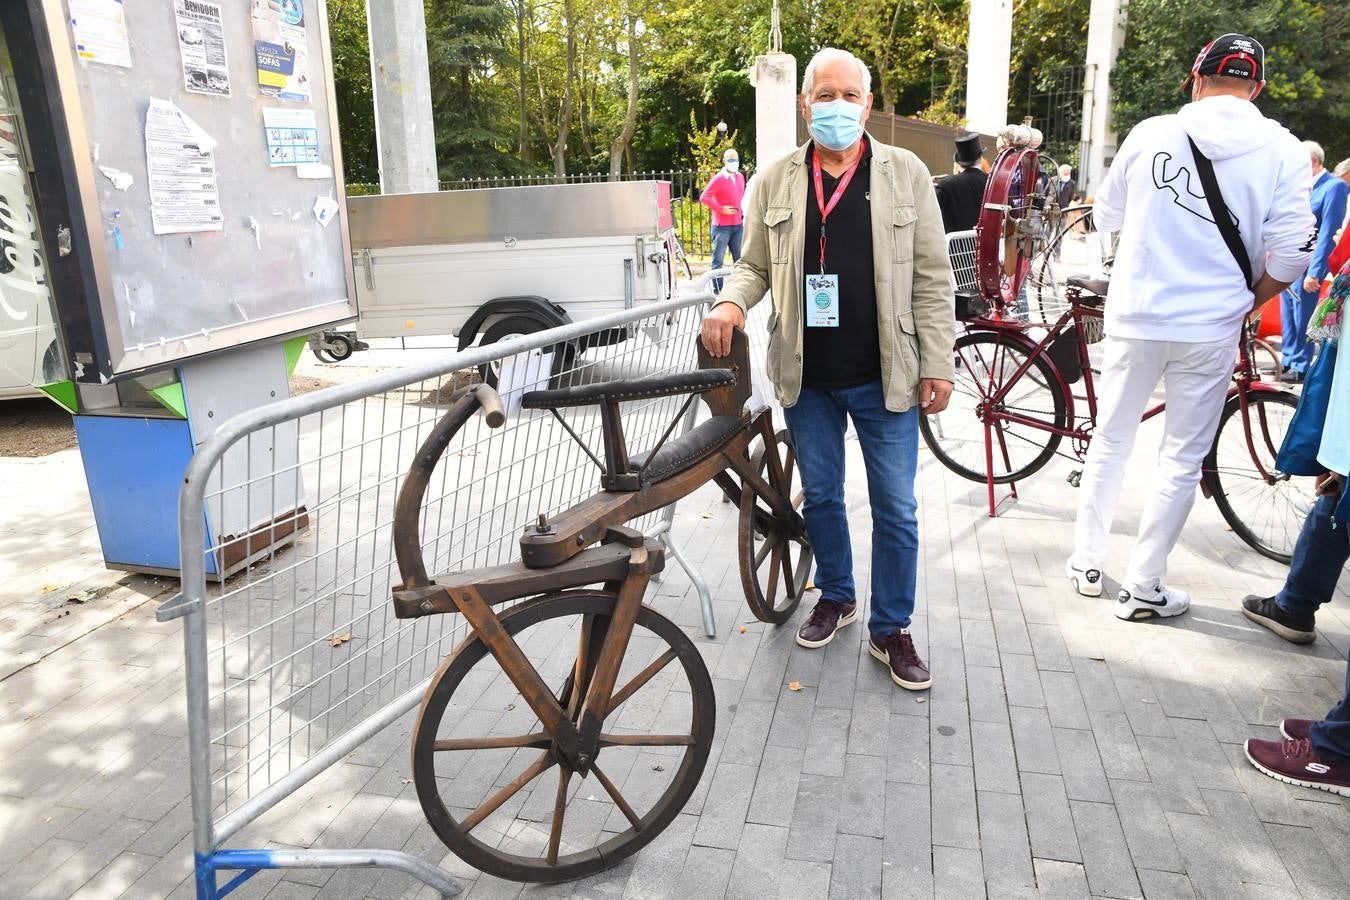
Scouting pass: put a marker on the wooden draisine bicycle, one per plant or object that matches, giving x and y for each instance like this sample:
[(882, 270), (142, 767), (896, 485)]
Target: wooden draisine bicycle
[(601, 744)]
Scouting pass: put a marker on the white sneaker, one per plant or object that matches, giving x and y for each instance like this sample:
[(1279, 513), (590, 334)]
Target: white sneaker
[(1086, 581), (1146, 603)]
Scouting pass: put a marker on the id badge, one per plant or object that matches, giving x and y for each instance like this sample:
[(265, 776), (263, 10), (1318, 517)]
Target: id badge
[(822, 301)]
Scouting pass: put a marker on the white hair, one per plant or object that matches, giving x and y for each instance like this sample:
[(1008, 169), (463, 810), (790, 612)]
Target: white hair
[(829, 55), (1066, 169), (1315, 151), (1342, 168)]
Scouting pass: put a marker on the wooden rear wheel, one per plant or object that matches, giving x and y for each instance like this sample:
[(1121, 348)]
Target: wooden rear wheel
[(775, 551), (488, 777)]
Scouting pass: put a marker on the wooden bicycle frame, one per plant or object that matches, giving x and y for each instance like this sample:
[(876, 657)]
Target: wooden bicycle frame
[(1245, 383), (559, 553)]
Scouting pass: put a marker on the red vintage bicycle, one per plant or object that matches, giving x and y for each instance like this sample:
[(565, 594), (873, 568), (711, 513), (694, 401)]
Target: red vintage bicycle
[(1015, 402)]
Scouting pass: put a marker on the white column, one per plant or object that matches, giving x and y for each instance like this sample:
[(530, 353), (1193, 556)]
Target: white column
[(989, 58), (404, 132), (1106, 32), (775, 81)]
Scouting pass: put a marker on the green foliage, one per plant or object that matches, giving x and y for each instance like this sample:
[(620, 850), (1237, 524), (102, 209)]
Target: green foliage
[(706, 145), (1307, 61), (499, 71)]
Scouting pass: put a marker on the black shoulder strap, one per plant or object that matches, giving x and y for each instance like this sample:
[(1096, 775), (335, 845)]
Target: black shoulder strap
[(1219, 210)]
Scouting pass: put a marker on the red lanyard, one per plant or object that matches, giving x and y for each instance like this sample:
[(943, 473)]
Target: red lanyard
[(826, 209)]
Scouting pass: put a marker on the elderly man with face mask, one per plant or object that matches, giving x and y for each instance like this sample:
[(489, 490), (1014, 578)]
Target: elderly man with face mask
[(846, 235)]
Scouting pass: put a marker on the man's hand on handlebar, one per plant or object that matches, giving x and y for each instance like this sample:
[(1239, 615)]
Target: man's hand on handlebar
[(718, 325)]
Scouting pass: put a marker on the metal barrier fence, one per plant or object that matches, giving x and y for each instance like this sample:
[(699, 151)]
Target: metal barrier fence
[(297, 661)]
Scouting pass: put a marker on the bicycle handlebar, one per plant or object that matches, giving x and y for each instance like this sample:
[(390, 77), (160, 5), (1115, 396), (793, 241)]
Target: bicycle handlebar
[(408, 506)]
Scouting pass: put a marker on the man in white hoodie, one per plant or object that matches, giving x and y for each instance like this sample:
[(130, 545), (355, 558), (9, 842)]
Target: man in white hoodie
[(1179, 293)]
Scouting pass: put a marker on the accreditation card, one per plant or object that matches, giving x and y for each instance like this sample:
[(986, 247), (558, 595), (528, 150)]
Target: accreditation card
[(822, 301)]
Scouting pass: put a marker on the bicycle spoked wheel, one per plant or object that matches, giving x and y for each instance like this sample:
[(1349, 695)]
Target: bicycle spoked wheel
[(1265, 512), (489, 781), (986, 364), (775, 556)]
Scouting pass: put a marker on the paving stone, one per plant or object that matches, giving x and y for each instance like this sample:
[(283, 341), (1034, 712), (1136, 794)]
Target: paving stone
[(869, 725), (953, 795), (1034, 741), (907, 750), (1059, 880), (1106, 858), (749, 731), (1169, 768), (1145, 826), (863, 804), (815, 813), (1204, 841), (984, 687), (907, 867), (660, 863), (1117, 747), (722, 821), (1049, 821), (1048, 645), (1304, 854), (958, 873), (1010, 631), (1084, 778), (949, 733), (792, 717), (1064, 701), (776, 783), (856, 869), (1165, 885), (707, 870), (802, 880), (827, 741), (1022, 680), (1004, 845), (995, 762), (759, 862)]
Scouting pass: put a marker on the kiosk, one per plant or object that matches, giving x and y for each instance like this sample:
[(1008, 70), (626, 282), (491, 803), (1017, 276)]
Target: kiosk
[(180, 230)]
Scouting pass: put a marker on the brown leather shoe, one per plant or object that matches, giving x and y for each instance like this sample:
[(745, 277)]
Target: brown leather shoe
[(827, 618), (897, 651)]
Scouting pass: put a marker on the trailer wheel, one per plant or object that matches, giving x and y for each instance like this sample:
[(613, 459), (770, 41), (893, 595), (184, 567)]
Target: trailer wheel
[(339, 346), (564, 355)]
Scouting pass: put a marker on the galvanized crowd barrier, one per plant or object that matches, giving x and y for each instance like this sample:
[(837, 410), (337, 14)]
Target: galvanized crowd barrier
[(297, 661)]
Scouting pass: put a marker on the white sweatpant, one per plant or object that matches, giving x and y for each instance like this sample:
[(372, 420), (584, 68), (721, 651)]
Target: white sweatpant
[(1195, 379)]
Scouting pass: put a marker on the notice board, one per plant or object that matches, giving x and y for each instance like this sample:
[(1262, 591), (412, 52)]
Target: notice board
[(201, 194)]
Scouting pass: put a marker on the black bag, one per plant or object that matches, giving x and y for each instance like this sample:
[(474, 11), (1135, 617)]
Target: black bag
[(1219, 210), (1063, 352), (971, 306)]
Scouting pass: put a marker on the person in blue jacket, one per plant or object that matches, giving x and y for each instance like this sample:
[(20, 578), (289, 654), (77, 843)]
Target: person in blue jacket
[(1298, 301)]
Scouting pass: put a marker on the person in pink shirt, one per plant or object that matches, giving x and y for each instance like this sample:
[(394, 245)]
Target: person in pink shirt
[(723, 196)]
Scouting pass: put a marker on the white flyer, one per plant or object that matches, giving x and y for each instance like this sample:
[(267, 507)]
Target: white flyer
[(201, 46), (292, 136), (183, 187), (100, 29)]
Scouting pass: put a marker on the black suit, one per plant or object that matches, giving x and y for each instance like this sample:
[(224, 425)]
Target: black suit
[(959, 197)]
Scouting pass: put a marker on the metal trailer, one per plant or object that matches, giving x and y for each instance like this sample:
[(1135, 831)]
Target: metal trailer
[(487, 265)]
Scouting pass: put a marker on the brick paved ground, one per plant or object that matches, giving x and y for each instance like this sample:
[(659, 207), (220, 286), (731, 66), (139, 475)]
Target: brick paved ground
[(1061, 753)]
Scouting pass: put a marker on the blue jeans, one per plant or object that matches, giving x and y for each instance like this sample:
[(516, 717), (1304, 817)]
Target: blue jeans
[(725, 237), (1321, 551), (890, 446), (1331, 736), (1296, 309)]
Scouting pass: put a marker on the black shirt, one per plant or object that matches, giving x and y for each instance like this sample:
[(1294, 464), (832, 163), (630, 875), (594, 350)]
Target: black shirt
[(850, 354), (959, 197)]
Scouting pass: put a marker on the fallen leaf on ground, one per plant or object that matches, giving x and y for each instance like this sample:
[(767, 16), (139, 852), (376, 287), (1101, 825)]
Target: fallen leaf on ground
[(48, 588), (810, 586), (340, 639), (742, 629), (707, 515), (920, 699), (406, 780), (794, 685)]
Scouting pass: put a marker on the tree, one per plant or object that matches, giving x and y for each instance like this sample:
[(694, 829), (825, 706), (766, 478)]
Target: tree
[(466, 43), (1307, 61), (350, 41), (625, 138)]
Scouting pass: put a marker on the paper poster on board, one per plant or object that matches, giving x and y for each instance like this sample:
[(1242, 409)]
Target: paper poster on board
[(201, 47), (281, 48), (100, 29), (292, 136), (183, 188)]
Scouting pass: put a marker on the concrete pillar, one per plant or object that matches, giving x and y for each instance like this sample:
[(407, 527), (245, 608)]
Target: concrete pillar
[(775, 81), (1106, 33), (404, 131), (988, 60)]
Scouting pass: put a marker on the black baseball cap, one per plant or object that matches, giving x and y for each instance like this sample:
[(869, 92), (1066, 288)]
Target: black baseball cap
[(1231, 55)]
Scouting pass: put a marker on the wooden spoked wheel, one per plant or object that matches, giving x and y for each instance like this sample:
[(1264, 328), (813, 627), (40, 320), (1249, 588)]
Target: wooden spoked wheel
[(1003, 247), (490, 781), (775, 552)]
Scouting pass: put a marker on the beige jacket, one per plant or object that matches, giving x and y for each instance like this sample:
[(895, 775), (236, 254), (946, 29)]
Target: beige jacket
[(915, 313)]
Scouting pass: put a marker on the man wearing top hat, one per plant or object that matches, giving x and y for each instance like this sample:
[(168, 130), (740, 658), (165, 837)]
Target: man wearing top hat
[(959, 195)]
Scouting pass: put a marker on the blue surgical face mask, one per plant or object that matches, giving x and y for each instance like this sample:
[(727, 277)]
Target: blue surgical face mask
[(836, 125), (732, 164)]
